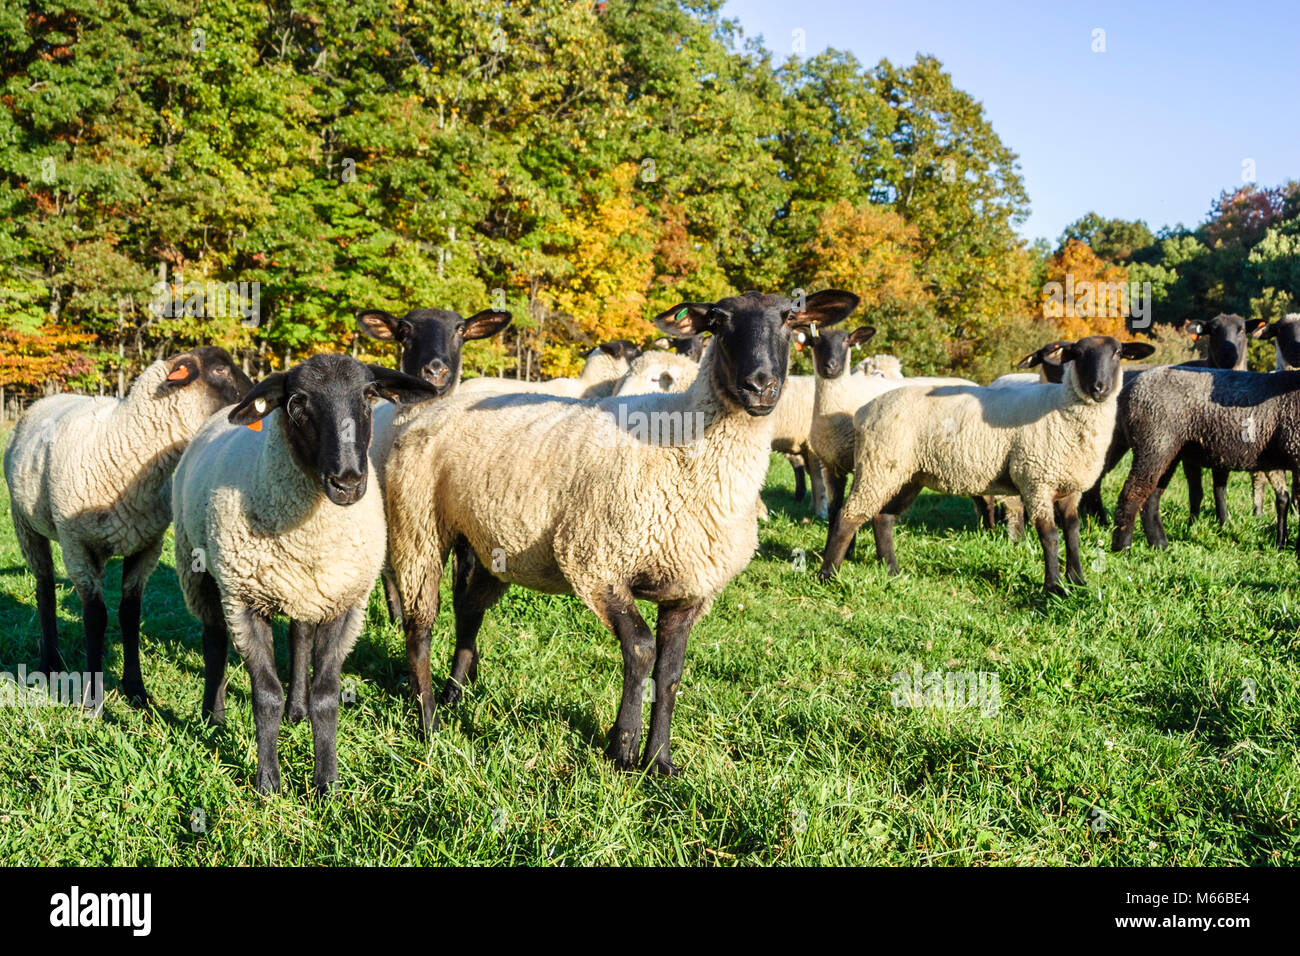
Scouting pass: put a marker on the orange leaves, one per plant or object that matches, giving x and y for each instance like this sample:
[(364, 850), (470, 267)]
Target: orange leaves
[(872, 251)]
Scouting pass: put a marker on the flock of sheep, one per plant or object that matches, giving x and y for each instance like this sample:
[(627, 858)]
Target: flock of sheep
[(639, 479)]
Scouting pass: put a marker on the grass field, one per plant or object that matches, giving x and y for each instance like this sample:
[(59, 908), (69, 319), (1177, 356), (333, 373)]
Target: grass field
[(1149, 719)]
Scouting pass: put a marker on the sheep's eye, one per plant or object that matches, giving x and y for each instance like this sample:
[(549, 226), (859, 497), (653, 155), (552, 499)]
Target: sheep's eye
[(296, 409), (221, 370), (460, 329)]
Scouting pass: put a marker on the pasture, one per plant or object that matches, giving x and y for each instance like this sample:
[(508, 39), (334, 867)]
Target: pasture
[(1150, 719)]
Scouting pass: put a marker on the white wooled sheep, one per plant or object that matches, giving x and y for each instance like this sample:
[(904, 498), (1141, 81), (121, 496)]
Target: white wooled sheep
[(882, 366), (658, 371), (631, 497), (1044, 443), (606, 366), (274, 518), (93, 474)]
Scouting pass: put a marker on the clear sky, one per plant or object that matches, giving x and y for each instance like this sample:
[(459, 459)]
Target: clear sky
[(1153, 128)]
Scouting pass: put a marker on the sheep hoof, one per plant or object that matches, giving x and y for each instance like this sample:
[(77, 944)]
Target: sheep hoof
[(826, 575), (137, 698), (268, 781), (450, 695), (622, 749), (216, 718), (1055, 590), (52, 665), (665, 768), (323, 788), (296, 713)]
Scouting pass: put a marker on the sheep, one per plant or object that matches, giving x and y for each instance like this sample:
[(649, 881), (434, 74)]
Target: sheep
[(92, 474), (431, 342), (883, 366), (692, 346), (658, 371), (606, 366), (273, 518), (631, 497), (837, 397), (1285, 334), (792, 437), (1218, 418), (1227, 349), (1045, 443)]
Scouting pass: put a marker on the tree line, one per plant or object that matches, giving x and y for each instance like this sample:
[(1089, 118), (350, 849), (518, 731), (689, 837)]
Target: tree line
[(254, 173)]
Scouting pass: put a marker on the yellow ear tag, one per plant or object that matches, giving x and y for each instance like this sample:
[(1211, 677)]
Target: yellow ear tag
[(813, 328)]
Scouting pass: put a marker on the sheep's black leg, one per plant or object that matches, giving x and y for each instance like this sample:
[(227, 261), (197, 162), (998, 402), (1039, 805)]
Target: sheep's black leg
[(1049, 537), (1067, 516), (985, 513), (474, 592), (331, 647), (1142, 477), (837, 484), (882, 525), (135, 570), (301, 638), (671, 632), (216, 646), (417, 660), (799, 489), (638, 646), (1091, 504), (1220, 479), (1152, 526), (94, 621), (1195, 491), (36, 550), (391, 597), (268, 694), (1282, 502)]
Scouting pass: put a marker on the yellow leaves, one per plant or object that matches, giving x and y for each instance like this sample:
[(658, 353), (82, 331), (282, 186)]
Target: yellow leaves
[(870, 251), (1084, 294)]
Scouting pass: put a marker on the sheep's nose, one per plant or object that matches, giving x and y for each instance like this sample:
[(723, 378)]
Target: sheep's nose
[(346, 486), (762, 385), (1098, 389), (436, 372)]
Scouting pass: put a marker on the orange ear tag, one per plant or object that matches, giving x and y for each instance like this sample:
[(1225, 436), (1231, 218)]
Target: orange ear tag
[(255, 426), (179, 374)]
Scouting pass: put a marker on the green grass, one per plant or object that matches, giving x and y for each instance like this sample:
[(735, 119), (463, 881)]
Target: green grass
[(1126, 698)]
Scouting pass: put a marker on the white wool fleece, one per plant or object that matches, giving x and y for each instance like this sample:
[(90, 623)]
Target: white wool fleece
[(1042, 442), (600, 376), (266, 532), (557, 496), (94, 473)]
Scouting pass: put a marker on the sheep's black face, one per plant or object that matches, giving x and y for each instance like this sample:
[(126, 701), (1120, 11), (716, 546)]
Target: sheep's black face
[(751, 339), (1096, 363), (327, 419), (832, 349), (214, 370), (1227, 339), (432, 339), (1285, 334), (620, 349)]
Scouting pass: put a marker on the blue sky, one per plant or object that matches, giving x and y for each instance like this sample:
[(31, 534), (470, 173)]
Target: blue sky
[(1153, 128)]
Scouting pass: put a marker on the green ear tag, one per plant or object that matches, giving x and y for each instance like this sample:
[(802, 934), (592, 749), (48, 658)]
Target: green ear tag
[(682, 314)]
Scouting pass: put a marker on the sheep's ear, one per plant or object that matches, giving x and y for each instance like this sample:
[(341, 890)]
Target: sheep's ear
[(685, 319), (267, 395), (485, 324), (1194, 328), (620, 348), (1059, 352), (382, 325), (1136, 350), (397, 386), (1264, 330), (861, 334), (1033, 358), (824, 308), (181, 370)]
